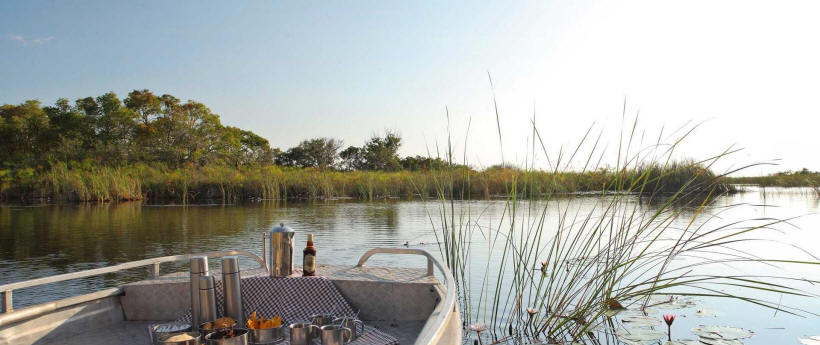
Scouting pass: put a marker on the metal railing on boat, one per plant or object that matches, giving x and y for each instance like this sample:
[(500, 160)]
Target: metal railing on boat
[(9, 315)]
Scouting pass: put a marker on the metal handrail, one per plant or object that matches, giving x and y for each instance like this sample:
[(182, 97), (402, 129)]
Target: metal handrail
[(434, 327), (6, 289), (424, 253)]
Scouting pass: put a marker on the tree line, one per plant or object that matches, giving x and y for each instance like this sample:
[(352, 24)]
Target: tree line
[(146, 128)]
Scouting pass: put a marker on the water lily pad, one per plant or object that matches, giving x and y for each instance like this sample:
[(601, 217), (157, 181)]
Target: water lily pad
[(813, 340), (709, 341), (706, 312), (683, 342), (662, 302), (639, 336), (722, 332), (640, 321), (673, 302)]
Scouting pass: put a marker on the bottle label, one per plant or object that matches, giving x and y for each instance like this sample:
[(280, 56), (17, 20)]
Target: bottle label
[(309, 265)]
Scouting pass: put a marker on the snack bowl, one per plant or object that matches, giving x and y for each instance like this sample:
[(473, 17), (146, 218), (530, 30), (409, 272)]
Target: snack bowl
[(220, 324), (180, 338), (240, 337), (267, 335), (165, 330)]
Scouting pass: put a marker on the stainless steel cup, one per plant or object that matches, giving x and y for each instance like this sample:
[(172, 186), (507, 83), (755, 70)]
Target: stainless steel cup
[(320, 320), (240, 337), (268, 335), (356, 326), (301, 333), (335, 335)]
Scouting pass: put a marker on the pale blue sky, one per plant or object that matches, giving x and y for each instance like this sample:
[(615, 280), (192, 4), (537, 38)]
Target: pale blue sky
[(294, 70)]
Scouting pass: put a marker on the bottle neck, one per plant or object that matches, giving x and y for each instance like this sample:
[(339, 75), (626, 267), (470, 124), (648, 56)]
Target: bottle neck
[(310, 243)]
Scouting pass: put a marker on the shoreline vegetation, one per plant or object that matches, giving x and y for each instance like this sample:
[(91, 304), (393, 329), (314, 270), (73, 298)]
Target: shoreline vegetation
[(802, 178), (160, 149), (232, 184)]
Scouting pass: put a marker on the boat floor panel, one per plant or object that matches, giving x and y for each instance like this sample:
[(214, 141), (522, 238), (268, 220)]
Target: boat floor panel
[(136, 333), (405, 332), (123, 333)]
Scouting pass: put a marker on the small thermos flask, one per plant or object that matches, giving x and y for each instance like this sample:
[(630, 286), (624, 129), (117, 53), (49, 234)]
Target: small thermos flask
[(233, 292), (207, 299), (199, 267)]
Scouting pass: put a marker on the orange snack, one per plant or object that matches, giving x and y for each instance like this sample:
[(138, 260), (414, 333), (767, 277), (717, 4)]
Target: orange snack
[(259, 322)]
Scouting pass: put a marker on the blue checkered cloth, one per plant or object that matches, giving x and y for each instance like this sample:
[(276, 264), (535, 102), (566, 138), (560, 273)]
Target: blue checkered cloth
[(295, 299)]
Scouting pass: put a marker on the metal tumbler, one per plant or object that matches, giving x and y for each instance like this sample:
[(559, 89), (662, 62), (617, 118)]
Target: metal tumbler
[(301, 333), (356, 326), (335, 335), (199, 267), (232, 288), (320, 320)]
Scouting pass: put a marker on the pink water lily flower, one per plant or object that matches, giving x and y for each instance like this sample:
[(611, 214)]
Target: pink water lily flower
[(478, 327), (669, 319)]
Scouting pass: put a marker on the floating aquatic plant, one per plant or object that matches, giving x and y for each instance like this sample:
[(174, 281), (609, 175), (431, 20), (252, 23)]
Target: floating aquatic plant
[(669, 319), (639, 336), (591, 260), (640, 321), (812, 340), (722, 332)]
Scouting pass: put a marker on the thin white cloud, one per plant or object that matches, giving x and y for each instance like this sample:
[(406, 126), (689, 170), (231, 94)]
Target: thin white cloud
[(31, 41)]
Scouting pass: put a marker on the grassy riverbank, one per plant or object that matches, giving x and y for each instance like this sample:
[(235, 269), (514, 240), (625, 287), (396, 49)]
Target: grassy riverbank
[(802, 178), (229, 184)]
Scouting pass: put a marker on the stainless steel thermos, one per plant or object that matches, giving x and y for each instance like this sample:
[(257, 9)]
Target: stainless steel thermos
[(199, 267), (231, 287), (207, 299), (281, 250)]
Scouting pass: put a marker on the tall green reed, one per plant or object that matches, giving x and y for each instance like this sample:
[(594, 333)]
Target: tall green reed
[(570, 265)]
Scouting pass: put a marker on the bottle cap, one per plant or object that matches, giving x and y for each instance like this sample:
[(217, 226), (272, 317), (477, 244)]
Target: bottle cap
[(199, 264), (230, 264), (310, 237), (281, 228)]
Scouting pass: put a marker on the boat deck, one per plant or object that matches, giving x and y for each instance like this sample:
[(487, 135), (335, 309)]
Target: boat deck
[(372, 302), (400, 302)]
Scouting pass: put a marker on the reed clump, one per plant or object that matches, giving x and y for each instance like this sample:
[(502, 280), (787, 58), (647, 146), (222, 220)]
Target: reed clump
[(802, 178), (157, 183), (553, 271)]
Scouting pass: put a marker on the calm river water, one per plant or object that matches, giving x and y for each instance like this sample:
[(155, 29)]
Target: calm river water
[(43, 240)]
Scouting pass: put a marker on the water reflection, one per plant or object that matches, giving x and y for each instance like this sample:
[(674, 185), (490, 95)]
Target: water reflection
[(46, 240)]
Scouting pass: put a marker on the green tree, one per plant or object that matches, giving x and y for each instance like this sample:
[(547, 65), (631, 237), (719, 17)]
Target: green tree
[(381, 153), (422, 163), (115, 130), (318, 152), (142, 128), (24, 129), (352, 158)]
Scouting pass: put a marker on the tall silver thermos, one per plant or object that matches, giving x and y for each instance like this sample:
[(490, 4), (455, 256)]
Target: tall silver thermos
[(281, 250), (199, 267), (231, 287), (207, 299)]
